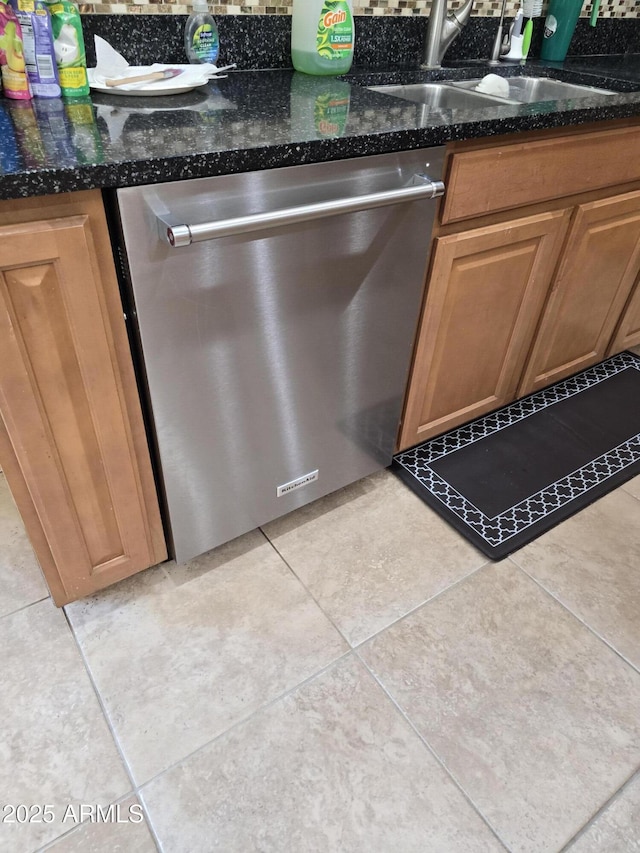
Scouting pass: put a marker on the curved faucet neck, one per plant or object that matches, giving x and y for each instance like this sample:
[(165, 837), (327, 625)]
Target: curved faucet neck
[(463, 13), (442, 29)]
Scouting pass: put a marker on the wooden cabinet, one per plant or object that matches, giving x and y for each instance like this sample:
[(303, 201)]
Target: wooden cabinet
[(534, 261), (514, 174), (599, 267), (487, 288), (72, 440), (628, 331)]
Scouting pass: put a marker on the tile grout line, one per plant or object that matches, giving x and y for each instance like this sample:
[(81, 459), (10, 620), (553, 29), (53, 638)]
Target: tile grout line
[(636, 773), (25, 607), (308, 591), (138, 790), (422, 604), (51, 844), (355, 646), (579, 619), (631, 495), (116, 740), (432, 751), (241, 722), (348, 653), (616, 793), (602, 810), (354, 650)]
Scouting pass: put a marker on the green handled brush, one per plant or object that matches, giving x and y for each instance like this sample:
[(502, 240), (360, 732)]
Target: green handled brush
[(532, 9)]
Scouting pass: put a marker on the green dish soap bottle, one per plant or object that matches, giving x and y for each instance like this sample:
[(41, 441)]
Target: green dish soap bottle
[(322, 36), (201, 40)]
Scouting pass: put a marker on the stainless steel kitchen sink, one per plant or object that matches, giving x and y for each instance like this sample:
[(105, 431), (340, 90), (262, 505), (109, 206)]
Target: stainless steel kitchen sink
[(531, 90), (439, 95), (462, 94)]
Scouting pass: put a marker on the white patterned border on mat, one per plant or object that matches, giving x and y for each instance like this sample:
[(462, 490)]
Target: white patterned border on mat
[(498, 529)]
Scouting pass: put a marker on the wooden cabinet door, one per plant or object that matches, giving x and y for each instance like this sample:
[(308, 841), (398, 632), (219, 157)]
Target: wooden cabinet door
[(628, 331), (68, 447), (486, 290), (597, 272)]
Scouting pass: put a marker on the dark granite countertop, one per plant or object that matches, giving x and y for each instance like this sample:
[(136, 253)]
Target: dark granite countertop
[(623, 67), (263, 119)]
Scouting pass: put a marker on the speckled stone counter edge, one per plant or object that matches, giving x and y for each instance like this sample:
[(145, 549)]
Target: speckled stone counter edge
[(150, 170), (243, 156)]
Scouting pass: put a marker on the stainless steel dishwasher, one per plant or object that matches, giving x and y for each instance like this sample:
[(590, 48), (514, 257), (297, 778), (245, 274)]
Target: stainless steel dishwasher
[(276, 313)]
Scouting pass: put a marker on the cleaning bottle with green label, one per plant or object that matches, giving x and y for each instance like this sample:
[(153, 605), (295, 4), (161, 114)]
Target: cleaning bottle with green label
[(201, 41), (68, 46), (322, 36)]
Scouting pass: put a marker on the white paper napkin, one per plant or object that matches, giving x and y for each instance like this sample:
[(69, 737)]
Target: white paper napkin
[(111, 65)]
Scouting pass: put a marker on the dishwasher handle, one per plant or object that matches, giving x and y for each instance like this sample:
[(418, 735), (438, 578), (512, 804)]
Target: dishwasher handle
[(183, 235)]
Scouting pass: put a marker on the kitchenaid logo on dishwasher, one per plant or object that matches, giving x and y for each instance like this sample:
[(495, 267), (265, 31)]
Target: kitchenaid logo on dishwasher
[(285, 488)]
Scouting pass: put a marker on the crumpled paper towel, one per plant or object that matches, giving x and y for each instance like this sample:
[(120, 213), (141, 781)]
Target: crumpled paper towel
[(111, 65), (491, 84)]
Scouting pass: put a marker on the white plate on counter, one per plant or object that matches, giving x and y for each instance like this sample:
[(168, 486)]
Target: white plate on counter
[(173, 86)]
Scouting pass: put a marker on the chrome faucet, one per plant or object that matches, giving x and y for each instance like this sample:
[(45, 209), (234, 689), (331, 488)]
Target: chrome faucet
[(442, 30)]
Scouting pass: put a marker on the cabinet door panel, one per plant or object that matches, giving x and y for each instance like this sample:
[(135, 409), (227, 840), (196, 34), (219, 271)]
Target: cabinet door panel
[(594, 281), (628, 333), (62, 405), (486, 290)]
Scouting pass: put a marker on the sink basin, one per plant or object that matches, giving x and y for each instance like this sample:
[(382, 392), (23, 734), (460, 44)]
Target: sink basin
[(439, 95), (530, 90), (461, 94)]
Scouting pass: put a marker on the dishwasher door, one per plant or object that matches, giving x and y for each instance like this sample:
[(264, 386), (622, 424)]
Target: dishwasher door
[(276, 349)]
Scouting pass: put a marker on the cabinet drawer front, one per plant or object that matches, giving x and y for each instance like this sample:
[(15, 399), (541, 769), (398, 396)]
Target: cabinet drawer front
[(510, 176)]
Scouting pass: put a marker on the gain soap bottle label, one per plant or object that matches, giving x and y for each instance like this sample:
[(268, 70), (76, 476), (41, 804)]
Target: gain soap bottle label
[(335, 30), (331, 112)]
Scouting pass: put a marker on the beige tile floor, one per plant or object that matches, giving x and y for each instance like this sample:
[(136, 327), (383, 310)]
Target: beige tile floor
[(353, 678)]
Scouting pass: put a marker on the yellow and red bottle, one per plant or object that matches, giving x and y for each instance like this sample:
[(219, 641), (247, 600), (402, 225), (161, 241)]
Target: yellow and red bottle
[(12, 61), (322, 36)]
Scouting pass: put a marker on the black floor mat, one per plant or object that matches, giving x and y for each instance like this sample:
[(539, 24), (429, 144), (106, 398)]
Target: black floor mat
[(505, 478)]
